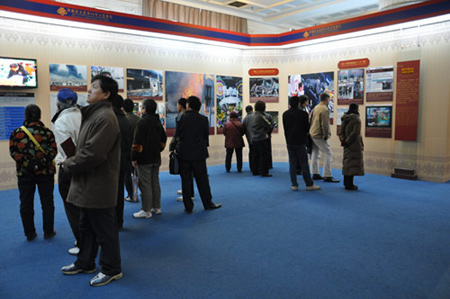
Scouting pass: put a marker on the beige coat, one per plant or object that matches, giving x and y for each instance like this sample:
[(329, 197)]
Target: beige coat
[(320, 122)]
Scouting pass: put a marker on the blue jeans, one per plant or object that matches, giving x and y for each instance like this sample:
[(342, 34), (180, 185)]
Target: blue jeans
[(298, 155)]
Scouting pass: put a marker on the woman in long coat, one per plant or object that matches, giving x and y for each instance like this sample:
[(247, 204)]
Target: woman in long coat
[(351, 140)]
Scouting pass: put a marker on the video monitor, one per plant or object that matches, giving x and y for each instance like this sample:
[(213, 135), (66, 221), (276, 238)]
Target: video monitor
[(18, 73), (378, 116)]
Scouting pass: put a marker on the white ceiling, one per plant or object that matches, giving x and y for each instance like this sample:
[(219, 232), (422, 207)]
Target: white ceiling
[(264, 16)]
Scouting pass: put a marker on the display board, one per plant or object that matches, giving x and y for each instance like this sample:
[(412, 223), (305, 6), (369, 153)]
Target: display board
[(12, 111)]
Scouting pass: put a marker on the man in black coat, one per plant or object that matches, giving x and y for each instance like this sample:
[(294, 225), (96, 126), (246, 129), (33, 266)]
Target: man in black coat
[(126, 137), (296, 127), (193, 133)]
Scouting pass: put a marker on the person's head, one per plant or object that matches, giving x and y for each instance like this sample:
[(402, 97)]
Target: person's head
[(128, 105), (117, 101), (353, 108), (32, 113), (148, 106), (181, 105), (66, 98), (106, 74), (249, 109), (102, 89), (193, 103), (303, 100), (233, 114), (260, 106), (14, 66), (294, 101), (325, 98)]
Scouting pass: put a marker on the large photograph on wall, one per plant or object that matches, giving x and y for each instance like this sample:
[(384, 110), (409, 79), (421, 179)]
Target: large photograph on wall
[(68, 76), (379, 121), (380, 84), (264, 89), (144, 84), (350, 87), (114, 72), (228, 99), (316, 84), (183, 85)]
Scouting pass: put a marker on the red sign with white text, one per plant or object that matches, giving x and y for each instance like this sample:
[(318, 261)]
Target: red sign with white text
[(407, 100)]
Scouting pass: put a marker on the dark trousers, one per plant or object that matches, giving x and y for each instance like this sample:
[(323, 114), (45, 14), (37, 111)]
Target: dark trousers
[(260, 158), (200, 172), (348, 181), (238, 151), (250, 157), (98, 227), (269, 152), (128, 181), (120, 199), (298, 156), (72, 211), (27, 187)]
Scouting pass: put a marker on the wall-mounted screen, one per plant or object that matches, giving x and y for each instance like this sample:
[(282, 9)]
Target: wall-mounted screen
[(379, 116), (18, 73)]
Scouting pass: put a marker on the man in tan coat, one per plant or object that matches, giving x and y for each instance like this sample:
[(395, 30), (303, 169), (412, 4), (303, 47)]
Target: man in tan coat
[(320, 133), (94, 184)]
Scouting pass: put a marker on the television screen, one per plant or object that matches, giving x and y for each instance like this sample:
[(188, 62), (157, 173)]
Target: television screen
[(379, 116), (18, 72)]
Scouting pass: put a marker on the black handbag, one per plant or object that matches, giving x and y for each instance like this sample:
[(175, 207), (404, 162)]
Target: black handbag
[(174, 163)]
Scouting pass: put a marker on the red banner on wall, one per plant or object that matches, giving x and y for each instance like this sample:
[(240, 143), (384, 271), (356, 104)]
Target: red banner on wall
[(354, 63), (407, 100), (263, 72)]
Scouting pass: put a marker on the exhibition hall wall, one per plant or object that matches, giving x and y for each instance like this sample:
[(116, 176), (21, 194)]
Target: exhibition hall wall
[(103, 46)]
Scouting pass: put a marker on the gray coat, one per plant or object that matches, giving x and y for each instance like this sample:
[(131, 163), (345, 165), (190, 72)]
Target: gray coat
[(350, 137), (95, 166)]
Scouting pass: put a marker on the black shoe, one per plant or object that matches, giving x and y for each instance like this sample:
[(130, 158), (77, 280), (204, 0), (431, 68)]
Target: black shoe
[(188, 211), (330, 180), (214, 206), (352, 188), (49, 235), (72, 269), (317, 177), (267, 175), (31, 237), (101, 279)]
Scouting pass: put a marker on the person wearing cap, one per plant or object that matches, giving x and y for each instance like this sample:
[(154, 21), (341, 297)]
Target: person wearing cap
[(18, 70), (233, 131), (34, 167), (351, 140), (67, 121)]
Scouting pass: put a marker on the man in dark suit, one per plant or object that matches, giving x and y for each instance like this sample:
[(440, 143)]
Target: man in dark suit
[(193, 133)]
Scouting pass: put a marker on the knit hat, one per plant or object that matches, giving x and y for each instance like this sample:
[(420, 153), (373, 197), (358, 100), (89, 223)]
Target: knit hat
[(67, 95)]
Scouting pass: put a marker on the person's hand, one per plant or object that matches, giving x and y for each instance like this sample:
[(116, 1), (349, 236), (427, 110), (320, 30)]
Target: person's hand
[(134, 163), (325, 138)]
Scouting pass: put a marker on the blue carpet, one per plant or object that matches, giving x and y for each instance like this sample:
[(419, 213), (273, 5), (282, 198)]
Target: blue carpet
[(390, 239)]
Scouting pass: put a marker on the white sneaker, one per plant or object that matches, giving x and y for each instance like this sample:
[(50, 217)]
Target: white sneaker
[(156, 211), (180, 198), (294, 188), (74, 251), (180, 192), (312, 188), (142, 214)]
